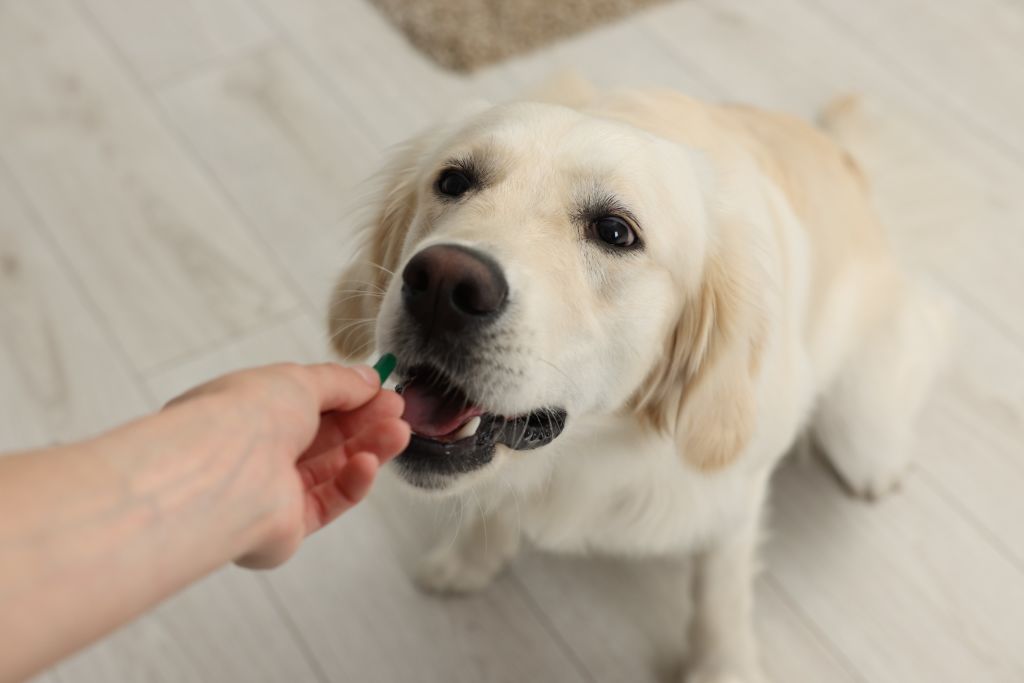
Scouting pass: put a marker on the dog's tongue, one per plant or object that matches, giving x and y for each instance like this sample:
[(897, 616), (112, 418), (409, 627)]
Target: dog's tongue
[(433, 414)]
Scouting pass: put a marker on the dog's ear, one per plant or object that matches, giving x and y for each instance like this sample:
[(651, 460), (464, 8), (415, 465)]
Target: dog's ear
[(355, 301), (703, 389)]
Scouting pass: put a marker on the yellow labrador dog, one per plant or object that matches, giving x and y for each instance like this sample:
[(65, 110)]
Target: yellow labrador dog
[(615, 311)]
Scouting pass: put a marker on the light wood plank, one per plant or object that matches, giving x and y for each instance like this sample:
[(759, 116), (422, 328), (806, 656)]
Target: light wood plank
[(224, 628), (293, 160), (906, 589), (164, 40), (971, 438), (374, 71), (169, 265), (620, 54), (297, 338), (364, 620), (62, 378), (977, 45), (792, 648), (626, 620)]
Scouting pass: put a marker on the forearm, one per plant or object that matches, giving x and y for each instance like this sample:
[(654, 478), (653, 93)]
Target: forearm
[(93, 534)]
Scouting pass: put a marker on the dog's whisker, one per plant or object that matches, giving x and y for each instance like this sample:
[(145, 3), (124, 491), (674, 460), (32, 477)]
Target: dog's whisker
[(347, 331), (515, 498), (483, 516), (359, 286), (560, 371), (458, 524), (364, 349), (379, 266), (365, 284), (354, 322), (343, 334), (355, 294), (351, 297), (370, 343)]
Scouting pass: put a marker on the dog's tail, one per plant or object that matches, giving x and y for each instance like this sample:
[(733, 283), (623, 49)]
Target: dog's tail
[(845, 120), (896, 151)]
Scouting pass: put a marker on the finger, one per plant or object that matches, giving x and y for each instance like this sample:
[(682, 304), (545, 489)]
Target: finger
[(343, 388), (328, 500), (384, 439), (384, 405), (334, 425)]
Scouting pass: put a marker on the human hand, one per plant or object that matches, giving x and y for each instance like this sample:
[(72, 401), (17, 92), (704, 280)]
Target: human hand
[(313, 438)]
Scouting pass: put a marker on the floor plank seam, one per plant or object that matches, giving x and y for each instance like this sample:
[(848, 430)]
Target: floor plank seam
[(813, 628), (972, 520), (293, 628), (268, 322), (693, 71), (210, 67), (996, 323), (541, 615), (316, 73)]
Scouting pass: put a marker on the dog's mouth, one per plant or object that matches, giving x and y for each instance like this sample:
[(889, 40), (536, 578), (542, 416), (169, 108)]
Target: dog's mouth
[(452, 435)]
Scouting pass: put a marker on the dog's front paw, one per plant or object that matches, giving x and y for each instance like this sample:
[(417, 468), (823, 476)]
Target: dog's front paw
[(871, 481), (454, 573)]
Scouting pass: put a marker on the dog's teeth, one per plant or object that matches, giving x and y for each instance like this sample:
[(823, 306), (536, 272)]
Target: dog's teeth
[(468, 429)]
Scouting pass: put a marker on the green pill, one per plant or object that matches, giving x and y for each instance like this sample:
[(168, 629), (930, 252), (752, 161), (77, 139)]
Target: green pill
[(385, 366)]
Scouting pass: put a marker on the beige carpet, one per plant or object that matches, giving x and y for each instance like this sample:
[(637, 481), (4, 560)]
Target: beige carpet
[(466, 34)]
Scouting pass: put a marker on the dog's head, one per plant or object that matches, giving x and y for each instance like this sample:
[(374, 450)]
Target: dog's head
[(531, 265)]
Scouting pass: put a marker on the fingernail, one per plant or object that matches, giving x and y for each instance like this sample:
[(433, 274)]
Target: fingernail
[(368, 374)]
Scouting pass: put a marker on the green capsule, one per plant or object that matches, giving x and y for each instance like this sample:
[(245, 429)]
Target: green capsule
[(385, 366)]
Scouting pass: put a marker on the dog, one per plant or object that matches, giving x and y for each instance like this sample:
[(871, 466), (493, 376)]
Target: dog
[(615, 312)]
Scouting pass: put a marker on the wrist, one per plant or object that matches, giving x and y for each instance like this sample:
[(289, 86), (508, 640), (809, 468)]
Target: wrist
[(194, 467), (252, 495)]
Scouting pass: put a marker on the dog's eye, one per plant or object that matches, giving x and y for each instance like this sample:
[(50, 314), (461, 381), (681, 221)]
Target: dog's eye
[(614, 231), (453, 183)]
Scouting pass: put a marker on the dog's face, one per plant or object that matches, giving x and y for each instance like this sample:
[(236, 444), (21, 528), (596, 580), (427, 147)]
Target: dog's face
[(528, 267)]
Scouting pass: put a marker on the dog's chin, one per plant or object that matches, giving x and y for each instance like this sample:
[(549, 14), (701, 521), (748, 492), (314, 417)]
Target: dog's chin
[(431, 484), (455, 440)]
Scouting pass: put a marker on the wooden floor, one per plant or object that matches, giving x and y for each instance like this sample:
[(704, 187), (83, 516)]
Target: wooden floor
[(176, 180)]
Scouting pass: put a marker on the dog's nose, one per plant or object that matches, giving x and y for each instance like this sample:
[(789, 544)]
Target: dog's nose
[(448, 288)]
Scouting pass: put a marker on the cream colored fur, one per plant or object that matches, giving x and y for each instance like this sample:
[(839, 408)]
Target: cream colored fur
[(765, 301)]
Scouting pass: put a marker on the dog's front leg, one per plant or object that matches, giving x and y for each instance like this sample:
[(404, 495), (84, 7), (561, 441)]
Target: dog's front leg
[(468, 557), (722, 642)]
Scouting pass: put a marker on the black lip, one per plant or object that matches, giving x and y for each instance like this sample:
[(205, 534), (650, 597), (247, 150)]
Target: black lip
[(426, 460)]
